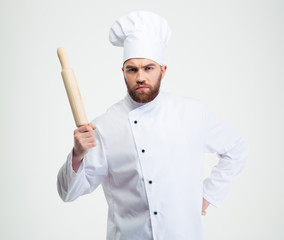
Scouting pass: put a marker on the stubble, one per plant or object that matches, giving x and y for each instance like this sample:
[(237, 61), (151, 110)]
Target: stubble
[(144, 96)]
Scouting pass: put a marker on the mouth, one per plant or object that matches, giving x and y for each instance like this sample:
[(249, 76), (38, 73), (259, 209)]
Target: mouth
[(140, 88)]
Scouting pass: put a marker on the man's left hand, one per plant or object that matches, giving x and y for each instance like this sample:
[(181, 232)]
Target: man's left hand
[(205, 205)]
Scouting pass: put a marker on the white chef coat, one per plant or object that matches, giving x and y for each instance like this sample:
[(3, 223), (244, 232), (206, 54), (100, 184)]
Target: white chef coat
[(149, 159)]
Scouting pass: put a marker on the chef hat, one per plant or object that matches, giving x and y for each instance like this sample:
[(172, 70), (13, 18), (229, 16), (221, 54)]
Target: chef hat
[(142, 34)]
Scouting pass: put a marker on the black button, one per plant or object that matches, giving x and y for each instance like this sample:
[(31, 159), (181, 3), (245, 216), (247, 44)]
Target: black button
[(135, 122), (143, 150), (155, 213), (150, 182)]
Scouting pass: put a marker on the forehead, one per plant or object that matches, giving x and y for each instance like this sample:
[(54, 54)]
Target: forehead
[(139, 62)]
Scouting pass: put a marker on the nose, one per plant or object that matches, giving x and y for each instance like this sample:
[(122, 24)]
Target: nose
[(140, 77), (140, 82)]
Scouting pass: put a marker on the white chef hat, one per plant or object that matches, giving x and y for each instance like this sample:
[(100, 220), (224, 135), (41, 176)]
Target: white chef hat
[(142, 34)]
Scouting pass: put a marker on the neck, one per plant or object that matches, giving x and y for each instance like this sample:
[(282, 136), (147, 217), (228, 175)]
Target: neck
[(136, 104)]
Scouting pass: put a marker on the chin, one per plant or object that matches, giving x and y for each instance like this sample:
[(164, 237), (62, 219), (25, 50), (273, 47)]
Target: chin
[(143, 97)]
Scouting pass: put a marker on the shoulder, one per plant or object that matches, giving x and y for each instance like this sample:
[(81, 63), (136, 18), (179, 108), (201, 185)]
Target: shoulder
[(180, 101), (113, 109), (112, 114)]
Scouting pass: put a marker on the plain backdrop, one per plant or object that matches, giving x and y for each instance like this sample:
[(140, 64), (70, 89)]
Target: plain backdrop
[(227, 53)]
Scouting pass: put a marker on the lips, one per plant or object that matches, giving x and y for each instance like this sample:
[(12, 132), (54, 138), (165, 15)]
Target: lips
[(142, 88)]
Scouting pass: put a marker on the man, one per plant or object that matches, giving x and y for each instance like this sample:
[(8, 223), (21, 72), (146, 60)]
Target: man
[(147, 150)]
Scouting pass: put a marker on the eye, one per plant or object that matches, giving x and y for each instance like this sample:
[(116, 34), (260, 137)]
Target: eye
[(131, 70), (148, 68)]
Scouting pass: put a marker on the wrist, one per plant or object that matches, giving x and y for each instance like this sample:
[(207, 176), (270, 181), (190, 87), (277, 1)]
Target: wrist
[(77, 157), (76, 160)]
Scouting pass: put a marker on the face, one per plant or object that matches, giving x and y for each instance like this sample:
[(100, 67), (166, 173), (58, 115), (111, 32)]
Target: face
[(143, 78)]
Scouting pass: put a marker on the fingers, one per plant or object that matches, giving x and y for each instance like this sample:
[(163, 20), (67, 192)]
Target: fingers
[(92, 126), (205, 205), (85, 128), (84, 139), (89, 134)]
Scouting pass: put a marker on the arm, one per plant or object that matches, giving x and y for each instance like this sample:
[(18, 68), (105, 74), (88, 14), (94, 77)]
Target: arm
[(232, 151), (85, 167), (84, 139)]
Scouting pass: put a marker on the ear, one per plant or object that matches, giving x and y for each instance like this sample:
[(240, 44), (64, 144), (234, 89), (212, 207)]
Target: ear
[(122, 69), (164, 69)]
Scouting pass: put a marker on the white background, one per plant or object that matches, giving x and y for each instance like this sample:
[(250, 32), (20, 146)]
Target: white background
[(229, 54)]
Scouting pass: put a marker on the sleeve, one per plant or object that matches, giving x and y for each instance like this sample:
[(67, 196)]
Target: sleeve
[(232, 151), (90, 175)]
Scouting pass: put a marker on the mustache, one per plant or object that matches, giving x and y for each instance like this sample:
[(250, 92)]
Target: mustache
[(141, 85)]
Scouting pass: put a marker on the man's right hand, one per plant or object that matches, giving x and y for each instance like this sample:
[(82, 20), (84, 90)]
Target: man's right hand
[(84, 139)]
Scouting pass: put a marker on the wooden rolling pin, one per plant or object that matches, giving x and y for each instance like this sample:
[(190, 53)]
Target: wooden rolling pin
[(72, 89)]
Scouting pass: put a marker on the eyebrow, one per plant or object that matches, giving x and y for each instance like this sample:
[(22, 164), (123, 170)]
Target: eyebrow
[(148, 65)]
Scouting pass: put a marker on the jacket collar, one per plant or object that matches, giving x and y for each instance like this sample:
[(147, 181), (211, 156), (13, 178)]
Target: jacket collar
[(133, 105)]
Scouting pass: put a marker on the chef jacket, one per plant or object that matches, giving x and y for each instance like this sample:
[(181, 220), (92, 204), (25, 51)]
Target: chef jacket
[(149, 159)]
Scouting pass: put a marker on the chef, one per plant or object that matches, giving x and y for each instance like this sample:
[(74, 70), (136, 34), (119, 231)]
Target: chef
[(148, 149)]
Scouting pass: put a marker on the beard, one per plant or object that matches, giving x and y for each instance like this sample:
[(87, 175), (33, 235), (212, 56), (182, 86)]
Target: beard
[(144, 96)]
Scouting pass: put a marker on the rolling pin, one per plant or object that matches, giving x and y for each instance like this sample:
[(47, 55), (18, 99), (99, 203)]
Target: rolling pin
[(72, 89)]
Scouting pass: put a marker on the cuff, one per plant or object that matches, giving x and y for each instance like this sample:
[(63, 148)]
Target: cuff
[(69, 162), (211, 201)]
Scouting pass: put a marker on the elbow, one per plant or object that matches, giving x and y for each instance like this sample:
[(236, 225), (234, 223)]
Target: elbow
[(237, 156), (65, 197), (63, 192)]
